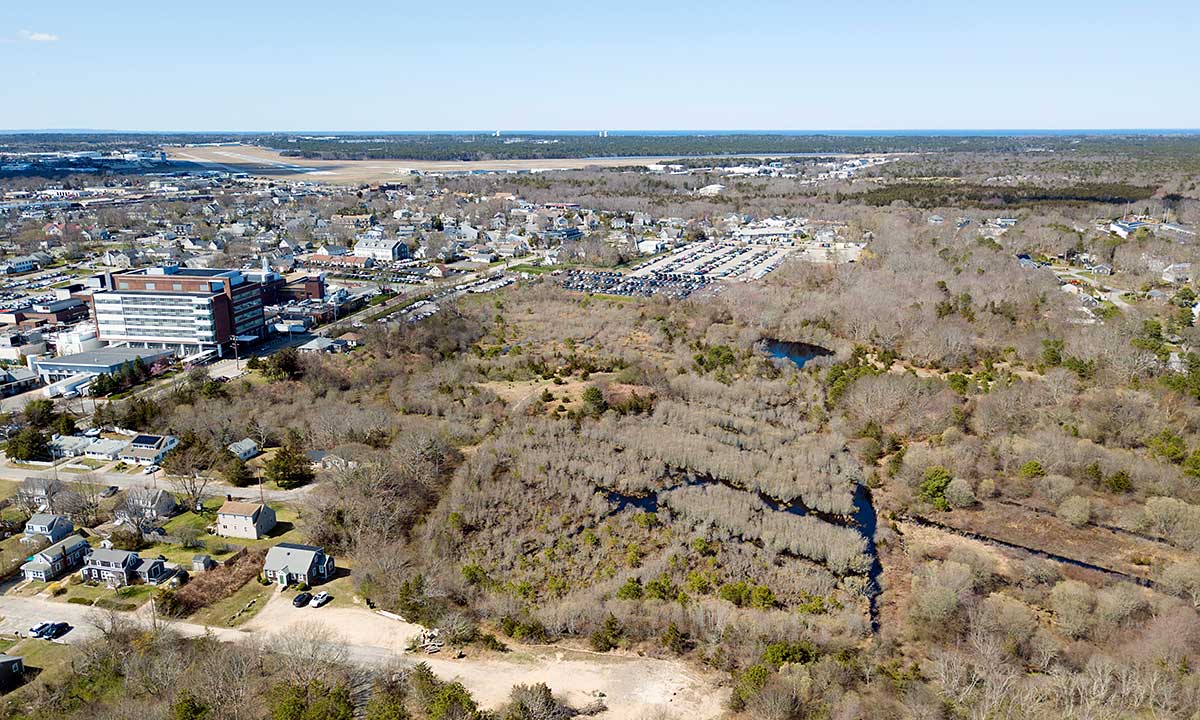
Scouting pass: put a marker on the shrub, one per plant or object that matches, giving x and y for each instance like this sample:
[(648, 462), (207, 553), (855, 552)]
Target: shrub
[(1168, 446), (661, 588), (762, 598), (699, 583), (1118, 482), (488, 641), (674, 640), (631, 590), (933, 487), (217, 584), (1075, 510), (79, 601), (748, 685), (474, 574), (959, 494), (1031, 470), (737, 593), (608, 635), (1073, 602), (128, 539), (778, 654)]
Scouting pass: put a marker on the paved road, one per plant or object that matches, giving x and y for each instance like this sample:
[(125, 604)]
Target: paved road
[(1112, 295), (126, 482)]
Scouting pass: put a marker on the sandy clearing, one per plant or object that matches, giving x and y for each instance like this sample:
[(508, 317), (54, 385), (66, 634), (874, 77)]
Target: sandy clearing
[(271, 163), (261, 161), (628, 684)]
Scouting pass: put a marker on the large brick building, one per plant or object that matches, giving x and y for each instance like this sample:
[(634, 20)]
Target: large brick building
[(183, 309)]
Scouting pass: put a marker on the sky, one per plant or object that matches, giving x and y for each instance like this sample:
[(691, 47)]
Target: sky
[(261, 65)]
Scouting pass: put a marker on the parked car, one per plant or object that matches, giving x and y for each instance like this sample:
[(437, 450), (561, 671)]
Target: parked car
[(151, 469), (302, 599), (319, 599), (55, 631), (109, 491), (37, 630)]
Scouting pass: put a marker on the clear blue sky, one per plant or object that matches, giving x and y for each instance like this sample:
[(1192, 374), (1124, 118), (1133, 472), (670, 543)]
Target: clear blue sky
[(652, 64)]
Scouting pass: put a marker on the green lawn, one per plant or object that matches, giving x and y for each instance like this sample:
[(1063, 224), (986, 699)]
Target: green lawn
[(41, 654), (285, 531), (532, 269), (8, 488), (14, 553), (7, 641), (221, 613), (132, 594)]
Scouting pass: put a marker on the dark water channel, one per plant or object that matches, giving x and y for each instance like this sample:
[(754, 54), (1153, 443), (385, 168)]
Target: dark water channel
[(799, 353)]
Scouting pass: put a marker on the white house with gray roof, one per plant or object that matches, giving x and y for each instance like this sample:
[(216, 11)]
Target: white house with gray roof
[(56, 560), (47, 526), (292, 563)]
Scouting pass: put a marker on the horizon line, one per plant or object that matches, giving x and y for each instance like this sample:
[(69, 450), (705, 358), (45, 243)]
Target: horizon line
[(643, 131)]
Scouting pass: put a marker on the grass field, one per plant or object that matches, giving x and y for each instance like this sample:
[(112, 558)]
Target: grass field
[(222, 613), (285, 531)]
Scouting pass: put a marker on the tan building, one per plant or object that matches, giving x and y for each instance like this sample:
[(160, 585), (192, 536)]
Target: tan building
[(244, 520)]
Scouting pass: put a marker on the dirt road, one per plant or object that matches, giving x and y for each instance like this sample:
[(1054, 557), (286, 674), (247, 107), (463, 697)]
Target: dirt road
[(628, 685)]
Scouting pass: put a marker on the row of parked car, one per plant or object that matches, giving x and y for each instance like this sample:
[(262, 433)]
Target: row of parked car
[(49, 630), (310, 600), (613, 283)]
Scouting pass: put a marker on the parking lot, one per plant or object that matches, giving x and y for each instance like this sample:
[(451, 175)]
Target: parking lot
[(428, 306), (716, 260), (673, 285)]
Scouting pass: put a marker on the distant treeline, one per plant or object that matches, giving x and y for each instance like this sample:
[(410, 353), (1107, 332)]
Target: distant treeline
[(437, 146), (930, 195)]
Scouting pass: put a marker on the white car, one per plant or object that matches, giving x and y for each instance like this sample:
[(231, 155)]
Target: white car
[(319, 599), (151, 469)]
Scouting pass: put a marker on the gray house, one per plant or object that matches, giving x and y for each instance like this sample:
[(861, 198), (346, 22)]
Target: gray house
[(145, 506), (49, 526), (244, 448), (289, 563), (56, 560), (117, 568), (11, 670)]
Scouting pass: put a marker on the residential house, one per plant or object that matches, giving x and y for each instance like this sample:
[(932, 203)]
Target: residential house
[(16, 265), (148, 449), (244, 449), (69, 446), (144, 506), (105, 449), (15, 380), (289, 563), (118, 568), (40, 492), (380, 249), (48, 526), (1178, 273), (56, 560), (244, 519), (322, 344)]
